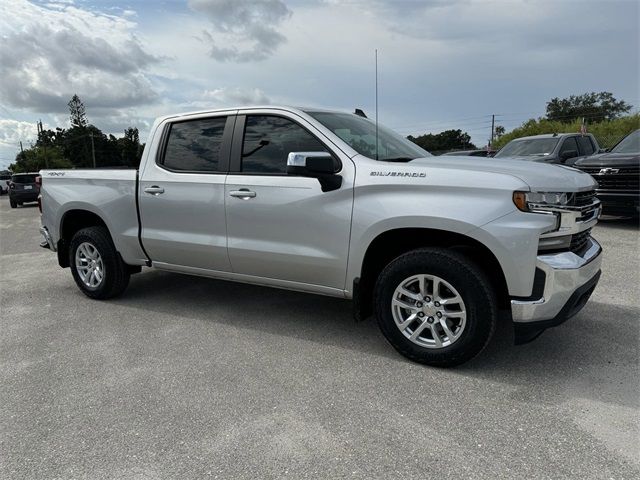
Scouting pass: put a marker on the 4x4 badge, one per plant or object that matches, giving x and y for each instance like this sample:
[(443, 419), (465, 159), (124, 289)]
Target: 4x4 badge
[(606, 171)]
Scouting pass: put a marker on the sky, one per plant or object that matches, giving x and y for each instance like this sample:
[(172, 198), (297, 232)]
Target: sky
[(442, 64)]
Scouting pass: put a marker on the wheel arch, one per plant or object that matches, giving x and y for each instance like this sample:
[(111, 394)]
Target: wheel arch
[(393, 243), (72, 221)]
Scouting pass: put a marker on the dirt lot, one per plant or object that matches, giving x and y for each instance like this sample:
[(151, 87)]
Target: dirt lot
[(188, 378)]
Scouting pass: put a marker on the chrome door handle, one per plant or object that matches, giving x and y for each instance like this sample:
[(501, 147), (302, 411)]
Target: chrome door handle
[(243, 193), (154, 190)]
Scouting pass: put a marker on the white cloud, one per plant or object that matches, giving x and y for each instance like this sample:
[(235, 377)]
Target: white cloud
[(14, 131), (247, 29), (50, 53), (236, 96)]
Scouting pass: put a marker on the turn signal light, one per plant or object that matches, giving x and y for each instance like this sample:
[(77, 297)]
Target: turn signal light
[(520, 199)]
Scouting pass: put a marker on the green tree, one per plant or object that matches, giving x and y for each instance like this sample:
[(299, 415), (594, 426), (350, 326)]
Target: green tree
[(447, 140), (33, 159), (607, 132), (77, 113), (130, 147), (76, 147), (594, 107)]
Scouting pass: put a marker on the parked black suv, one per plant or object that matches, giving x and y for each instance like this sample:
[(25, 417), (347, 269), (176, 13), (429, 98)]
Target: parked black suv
[(23, 189), (617, 173)]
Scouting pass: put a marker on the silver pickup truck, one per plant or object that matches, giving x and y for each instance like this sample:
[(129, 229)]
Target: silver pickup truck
[(329, 203)]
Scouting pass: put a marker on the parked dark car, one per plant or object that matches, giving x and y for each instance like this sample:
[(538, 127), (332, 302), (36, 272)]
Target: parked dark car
[(617, 173), (5, 177), (23, 189), (550, 148), (471, 153)]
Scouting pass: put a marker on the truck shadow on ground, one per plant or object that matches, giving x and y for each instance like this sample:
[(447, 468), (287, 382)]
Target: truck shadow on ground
[(590, 354)]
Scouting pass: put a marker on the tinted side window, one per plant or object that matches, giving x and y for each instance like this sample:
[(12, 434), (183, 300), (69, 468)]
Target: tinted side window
[(586, 147), (195, 145), (568, 145), (268, 140)]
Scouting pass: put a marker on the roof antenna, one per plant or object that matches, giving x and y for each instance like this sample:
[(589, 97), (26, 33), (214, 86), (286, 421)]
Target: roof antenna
[(376, 104), (360, 113)]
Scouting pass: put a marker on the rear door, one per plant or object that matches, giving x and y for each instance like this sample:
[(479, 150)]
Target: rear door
[(181, 193), (286, 227)]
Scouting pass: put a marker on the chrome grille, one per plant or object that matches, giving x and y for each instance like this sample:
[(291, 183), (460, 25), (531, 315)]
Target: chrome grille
[(580, 241), (625, 178), (580, 199)]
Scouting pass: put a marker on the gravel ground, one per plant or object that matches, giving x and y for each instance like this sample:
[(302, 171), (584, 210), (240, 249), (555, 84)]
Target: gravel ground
[(187, 377)]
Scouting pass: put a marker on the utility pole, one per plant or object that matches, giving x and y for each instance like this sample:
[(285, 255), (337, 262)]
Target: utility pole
[(44, 142), (21, 149), (93, 151), (493, 124)]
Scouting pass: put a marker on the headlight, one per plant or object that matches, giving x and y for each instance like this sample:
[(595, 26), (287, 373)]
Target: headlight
[(530, 201)]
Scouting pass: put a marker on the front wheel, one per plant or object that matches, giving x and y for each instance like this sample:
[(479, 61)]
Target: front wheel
[(13, 203), (95, 264), (435, 307)]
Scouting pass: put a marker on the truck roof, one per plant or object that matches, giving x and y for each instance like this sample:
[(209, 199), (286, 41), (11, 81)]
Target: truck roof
[(287, 108)]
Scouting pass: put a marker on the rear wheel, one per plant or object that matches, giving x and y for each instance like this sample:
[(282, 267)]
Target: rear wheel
[(13, 203), (95, 264), (435, 307)]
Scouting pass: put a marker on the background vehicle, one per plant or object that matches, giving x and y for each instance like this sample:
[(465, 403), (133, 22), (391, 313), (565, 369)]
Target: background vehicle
[(23, 189), (330, 203), (618, 175), (550, 148), (5, 176), (471, 153)]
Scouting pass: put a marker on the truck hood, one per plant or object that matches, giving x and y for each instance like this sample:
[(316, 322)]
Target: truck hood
[(610, 160), (539, 176)]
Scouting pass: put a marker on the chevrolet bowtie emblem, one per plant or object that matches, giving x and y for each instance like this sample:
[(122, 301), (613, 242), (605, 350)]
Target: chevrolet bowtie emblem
[(606, 171)]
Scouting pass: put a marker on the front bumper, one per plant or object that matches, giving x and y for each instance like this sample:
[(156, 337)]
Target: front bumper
[(619, 203), (569, 280)]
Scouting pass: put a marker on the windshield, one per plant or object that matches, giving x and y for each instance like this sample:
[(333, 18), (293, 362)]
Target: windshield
[(533, 146), (23, 179), (360, 134), (629, 144)]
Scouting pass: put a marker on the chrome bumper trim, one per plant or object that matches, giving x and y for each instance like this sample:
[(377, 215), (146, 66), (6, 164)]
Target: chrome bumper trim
[(47, 238), (564, 273)]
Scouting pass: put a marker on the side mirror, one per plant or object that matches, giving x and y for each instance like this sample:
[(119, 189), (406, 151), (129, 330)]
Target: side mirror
[(564, 156), (318, 165)]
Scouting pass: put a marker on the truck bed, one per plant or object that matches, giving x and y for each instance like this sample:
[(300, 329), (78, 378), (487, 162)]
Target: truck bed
[(110, 194)]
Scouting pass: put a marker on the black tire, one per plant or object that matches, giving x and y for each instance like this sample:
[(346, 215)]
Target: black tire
[(472, 285), (13, 203), (115, 272)]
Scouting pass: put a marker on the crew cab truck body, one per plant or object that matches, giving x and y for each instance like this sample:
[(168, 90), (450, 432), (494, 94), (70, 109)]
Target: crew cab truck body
[(434, 247)]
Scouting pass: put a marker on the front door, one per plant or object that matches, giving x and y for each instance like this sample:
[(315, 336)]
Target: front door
[(282, 226), (181, 195)]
